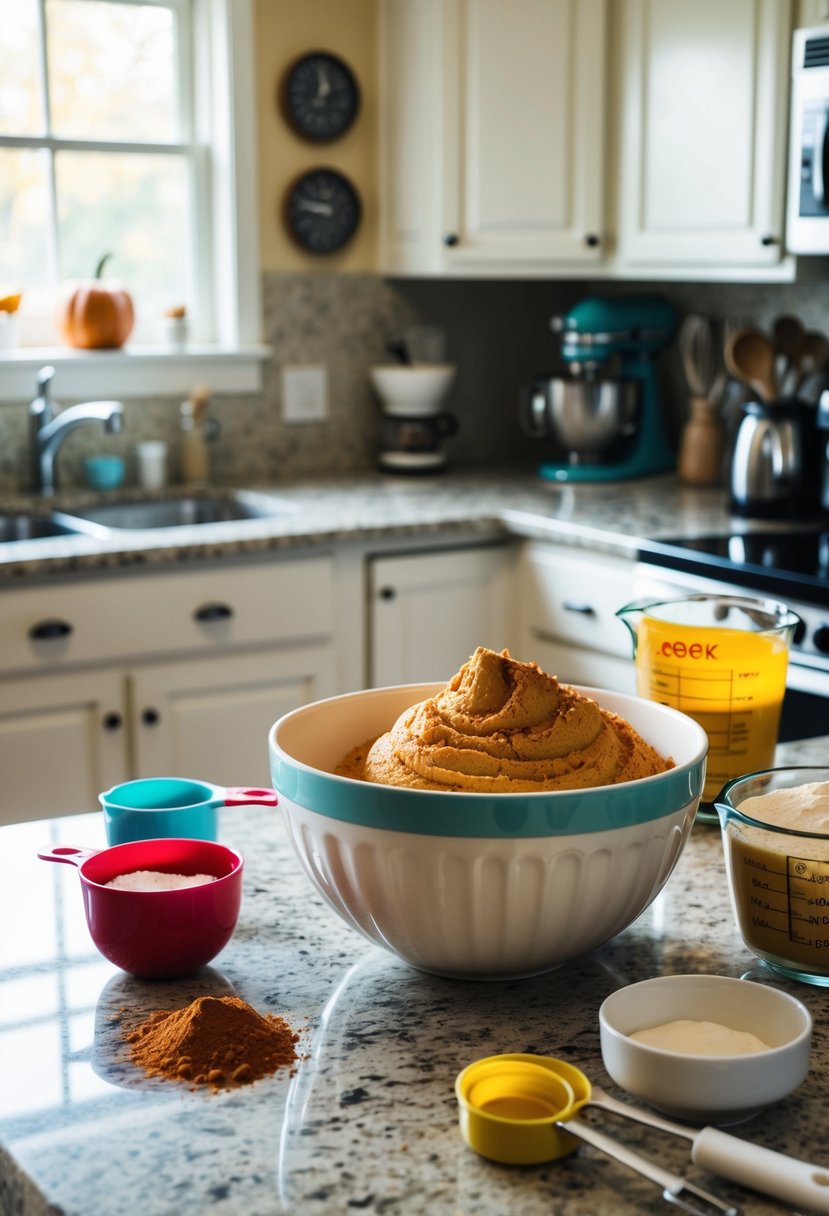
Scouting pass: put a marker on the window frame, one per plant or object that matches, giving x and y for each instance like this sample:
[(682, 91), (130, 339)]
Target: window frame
[(219, 54)]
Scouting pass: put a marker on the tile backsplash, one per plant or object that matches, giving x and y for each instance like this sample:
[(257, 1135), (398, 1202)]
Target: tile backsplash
[(499, 337)]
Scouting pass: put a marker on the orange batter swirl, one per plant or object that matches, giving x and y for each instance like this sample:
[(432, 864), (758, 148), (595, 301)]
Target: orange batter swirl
[(502, 726)]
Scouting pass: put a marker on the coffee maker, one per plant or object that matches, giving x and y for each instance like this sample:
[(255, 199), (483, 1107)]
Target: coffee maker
[(414, 425), (605, 413)]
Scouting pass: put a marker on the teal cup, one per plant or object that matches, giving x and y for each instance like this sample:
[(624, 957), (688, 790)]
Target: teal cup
[(153, 808)]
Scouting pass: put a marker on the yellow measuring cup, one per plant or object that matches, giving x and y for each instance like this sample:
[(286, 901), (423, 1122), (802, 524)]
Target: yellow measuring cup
[(510, 1104), (721, 659)]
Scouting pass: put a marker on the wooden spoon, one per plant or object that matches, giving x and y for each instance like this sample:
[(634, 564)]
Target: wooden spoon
[(749, 356), (789, 335)]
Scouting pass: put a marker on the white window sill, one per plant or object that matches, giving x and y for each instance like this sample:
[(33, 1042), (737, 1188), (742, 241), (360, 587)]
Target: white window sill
[(137, 371)]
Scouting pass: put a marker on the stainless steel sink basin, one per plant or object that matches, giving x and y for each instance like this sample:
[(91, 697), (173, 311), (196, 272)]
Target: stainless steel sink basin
[(175, 512), (31, 526)]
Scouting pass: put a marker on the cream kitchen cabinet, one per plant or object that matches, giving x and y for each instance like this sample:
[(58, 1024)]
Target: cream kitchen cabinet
[(637, 139), (63, 739), (429, 611), (179, 673), (492, 135), (703, 94), (568, 601)]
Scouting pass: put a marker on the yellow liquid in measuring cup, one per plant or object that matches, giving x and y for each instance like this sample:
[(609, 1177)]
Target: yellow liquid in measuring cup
[(732, 683)]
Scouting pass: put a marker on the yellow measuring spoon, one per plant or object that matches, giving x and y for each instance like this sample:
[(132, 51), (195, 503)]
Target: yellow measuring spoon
[(519, 1109)]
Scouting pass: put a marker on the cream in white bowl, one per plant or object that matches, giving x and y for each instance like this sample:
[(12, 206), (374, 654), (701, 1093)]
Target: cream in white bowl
[(484, 886), (706, 1088)]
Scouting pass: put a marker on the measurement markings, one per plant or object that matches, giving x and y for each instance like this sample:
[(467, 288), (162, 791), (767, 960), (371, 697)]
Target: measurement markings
[(710, 698), (806, 879), (768, 897)]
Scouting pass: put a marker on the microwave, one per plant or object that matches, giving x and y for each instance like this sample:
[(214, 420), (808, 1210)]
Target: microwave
[(807, 219)]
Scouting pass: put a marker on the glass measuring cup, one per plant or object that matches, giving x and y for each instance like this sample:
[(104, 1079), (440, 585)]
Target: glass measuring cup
[(778, 875), (721, 659)]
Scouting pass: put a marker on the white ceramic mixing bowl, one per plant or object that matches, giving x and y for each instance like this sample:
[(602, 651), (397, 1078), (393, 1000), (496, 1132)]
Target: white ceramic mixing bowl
[(481, 885)]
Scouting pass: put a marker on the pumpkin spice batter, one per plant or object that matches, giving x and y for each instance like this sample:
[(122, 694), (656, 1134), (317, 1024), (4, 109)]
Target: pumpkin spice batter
[(505, 726)]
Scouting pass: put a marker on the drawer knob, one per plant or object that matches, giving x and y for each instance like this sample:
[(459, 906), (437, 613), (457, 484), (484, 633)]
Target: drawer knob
[(213, 612), (150, 717), (113, 721), (52, 628), (387, 593)]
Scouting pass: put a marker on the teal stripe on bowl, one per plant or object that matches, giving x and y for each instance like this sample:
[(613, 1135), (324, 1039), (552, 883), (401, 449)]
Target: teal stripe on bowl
[(497, 816)]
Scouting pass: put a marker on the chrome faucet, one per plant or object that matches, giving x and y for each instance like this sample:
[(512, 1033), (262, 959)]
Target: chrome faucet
[(47, 430)]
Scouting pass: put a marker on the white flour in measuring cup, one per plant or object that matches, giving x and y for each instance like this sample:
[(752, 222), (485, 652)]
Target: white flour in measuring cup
[(804, 808), (155, 880)]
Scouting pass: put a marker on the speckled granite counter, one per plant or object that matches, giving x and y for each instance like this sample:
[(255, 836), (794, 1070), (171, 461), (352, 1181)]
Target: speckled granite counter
[(478, 503), (368, 1120)]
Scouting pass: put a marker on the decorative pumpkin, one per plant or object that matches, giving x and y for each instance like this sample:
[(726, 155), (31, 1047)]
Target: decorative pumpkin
[(96, 315)]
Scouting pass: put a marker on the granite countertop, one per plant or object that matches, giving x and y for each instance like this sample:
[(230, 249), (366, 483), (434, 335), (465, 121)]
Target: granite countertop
[(367, 1120), (474, 503)]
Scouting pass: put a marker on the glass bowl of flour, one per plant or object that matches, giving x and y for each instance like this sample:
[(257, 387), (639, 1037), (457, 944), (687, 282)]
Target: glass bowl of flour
[(775, 832)]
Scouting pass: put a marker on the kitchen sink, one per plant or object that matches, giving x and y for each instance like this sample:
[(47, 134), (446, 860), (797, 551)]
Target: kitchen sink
[(178, 512), (19, 525)]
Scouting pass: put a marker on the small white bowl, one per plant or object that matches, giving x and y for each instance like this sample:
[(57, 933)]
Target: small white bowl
[(706, 1089), (412, 392)]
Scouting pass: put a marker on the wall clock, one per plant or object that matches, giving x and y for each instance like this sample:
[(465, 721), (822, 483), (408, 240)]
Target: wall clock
[(320, 96), (322, 211)]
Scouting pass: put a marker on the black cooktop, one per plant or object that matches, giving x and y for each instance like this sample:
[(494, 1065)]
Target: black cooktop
[(785, 563)]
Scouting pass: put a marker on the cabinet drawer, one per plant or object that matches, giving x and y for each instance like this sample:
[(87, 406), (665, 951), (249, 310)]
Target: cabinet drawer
[(162, 613), (573, 596), (578, 665)]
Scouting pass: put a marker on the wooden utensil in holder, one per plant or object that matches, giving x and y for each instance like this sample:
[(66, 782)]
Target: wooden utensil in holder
[(702, 445)]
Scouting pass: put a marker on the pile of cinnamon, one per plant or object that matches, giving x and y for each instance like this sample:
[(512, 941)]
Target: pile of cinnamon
[(221, 1042)]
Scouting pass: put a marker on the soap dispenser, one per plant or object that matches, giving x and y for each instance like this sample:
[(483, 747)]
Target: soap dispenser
[(195, 433)]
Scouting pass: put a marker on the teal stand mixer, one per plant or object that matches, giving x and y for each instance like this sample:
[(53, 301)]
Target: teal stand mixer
[(605, 413)]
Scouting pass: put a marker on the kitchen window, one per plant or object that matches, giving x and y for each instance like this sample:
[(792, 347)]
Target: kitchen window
[(128, 127)]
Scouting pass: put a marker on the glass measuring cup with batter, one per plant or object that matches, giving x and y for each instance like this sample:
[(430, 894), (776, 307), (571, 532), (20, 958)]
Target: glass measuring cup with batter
[(721, 659), (775, 831)]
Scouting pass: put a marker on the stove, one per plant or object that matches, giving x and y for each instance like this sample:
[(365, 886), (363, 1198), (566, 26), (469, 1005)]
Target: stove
[(791, 566), (785, 564)]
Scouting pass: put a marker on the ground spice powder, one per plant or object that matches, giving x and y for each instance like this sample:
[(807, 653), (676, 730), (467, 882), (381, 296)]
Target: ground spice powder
[(220, 1042)]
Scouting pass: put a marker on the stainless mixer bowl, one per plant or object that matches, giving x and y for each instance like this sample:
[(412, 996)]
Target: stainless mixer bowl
[(586, 417)]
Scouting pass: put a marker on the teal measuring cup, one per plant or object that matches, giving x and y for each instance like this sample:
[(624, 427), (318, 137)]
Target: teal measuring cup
[(153, 808)]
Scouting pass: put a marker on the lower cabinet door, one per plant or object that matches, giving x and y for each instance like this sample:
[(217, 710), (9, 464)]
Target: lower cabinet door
[(430, 611), (209, 718), (63, 739)]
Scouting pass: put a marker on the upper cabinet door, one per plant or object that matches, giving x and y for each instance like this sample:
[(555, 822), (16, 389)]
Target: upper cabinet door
[(703, 100), (492, 134), (525, 124)]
